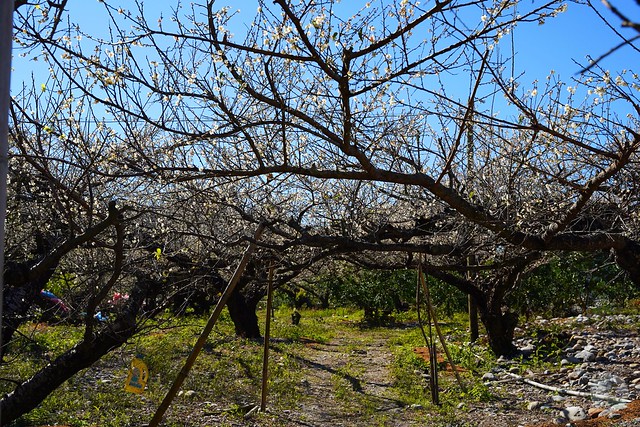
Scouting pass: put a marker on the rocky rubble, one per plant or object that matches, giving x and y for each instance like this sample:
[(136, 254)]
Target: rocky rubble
[(593, 368)]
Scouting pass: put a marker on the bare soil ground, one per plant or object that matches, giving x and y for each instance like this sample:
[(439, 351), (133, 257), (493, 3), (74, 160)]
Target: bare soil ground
[(349, 381)]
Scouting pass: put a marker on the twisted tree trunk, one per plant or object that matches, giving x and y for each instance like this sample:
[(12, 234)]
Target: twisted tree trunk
[(628, 258), (25, 280), (500, 326), (242, 309), (29, 394)]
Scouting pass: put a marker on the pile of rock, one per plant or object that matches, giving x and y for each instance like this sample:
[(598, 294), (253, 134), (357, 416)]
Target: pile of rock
[(598, 368), (578, 413)]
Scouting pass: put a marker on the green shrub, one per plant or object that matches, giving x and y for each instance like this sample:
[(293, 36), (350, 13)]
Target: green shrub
[(380, 293), (571, 283)]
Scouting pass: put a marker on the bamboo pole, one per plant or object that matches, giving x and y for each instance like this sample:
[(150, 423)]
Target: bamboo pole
[(182, 375), (267, 333), (439, 332), (559, 390), (431, 345), (433, 359), (474, 330)]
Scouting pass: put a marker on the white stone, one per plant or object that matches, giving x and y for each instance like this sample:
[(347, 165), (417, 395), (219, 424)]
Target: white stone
[(574, 413), (618, 407), (488, 377), (534, 405), (585, 356)]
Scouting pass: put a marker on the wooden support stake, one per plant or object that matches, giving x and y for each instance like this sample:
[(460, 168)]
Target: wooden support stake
[(182, 375), (474, 330), (439, 332), (431, 344), (267, 333), (433, 360)]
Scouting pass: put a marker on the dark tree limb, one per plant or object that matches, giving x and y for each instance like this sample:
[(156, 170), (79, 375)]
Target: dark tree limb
[(32, 392), (24, 280)]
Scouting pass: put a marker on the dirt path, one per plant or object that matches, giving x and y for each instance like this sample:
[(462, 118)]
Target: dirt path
[(347, 382)]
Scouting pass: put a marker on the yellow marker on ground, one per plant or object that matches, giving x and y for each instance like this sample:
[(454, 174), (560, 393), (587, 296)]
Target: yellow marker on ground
[(138, 376)]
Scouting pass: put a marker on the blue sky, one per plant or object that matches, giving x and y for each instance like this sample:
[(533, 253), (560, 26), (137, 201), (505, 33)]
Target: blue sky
[(540, 48), (572, 36)]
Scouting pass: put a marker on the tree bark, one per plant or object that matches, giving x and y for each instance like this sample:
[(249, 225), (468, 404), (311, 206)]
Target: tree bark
[(24, 281), (32, 392), (628, 258), (20, 295), (242, 309), (500, 328)]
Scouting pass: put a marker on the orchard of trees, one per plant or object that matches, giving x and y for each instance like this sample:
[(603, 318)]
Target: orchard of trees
[(367, 138)]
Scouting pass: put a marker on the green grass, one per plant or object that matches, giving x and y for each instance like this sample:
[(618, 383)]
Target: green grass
[(226, 378), (315, 325), (411, 371)]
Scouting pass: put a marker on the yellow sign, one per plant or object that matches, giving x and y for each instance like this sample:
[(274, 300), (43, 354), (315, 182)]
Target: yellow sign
[(138, 376)]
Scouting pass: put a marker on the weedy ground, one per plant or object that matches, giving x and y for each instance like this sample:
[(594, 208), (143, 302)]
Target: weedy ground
[(331, 369)]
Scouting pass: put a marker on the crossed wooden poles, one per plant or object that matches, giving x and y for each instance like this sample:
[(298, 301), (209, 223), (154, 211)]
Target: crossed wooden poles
[(431, 343), (184, 372), (202, 339)]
